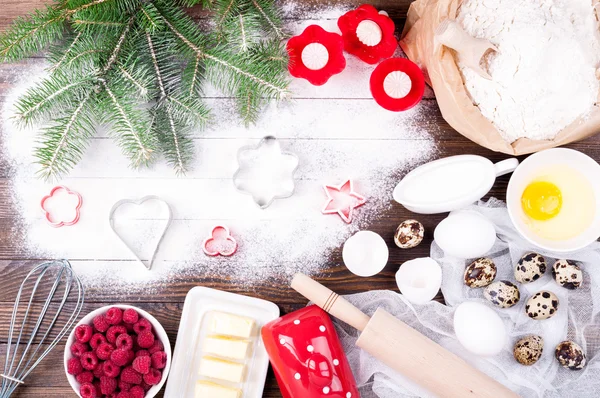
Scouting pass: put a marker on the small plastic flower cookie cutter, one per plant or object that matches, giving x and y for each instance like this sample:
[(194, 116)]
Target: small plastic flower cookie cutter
[(139, 202), (219, 243), (397, 84), (52, 220), (316, 55), (265, 172), (342, 200), (368, 34)]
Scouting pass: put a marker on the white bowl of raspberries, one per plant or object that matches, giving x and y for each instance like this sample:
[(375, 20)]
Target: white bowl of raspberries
[(117, 351)]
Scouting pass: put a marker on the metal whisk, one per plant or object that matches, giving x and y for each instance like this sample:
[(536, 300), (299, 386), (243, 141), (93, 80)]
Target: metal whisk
[(25, 350)]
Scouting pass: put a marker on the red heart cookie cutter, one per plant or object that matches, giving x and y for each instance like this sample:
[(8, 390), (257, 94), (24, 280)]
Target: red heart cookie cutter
[(219, 243)]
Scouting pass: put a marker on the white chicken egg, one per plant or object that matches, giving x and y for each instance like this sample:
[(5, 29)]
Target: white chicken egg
[(419, 280), (479, 329), (465, 234)]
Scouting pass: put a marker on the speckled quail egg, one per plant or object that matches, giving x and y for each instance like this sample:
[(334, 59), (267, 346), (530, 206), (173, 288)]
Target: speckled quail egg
[(567, 274), (503, 294), (530, 268), (570, 355), (542, 305), (409, 234), (528, 350), (480, 273)]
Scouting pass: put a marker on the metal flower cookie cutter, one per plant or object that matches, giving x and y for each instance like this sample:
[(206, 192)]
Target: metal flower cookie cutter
[(265, 172), (139, 202)]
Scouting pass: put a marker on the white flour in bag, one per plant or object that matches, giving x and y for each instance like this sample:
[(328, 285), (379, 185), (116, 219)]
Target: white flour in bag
[(544, 76)]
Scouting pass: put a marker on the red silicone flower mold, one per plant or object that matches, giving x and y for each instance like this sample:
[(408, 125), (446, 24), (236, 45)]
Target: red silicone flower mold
[(54, 219), (368, 34), (316, 55), (397, 84), (219, 243)]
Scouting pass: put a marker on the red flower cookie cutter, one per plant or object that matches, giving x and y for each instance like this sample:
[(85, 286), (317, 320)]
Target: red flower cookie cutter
[(48, 215), (397, 84), (323, 52), (343, 206), (368, 34), (219, 243)]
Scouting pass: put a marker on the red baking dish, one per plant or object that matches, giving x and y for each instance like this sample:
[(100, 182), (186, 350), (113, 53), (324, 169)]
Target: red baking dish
[(307, 356)]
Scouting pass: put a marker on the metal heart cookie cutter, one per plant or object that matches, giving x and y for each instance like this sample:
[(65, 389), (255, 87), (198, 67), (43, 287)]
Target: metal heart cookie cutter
[(265, 172), (139, 202)]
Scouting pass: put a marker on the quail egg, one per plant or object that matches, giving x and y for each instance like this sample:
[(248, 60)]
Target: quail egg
[(409, 234), (480, 273), (530, 268), (567, 274), (528, 350), (542, 305), (503, 294), (570, 355)]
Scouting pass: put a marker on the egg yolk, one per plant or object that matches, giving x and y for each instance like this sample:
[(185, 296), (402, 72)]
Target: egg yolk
[(541, 200)]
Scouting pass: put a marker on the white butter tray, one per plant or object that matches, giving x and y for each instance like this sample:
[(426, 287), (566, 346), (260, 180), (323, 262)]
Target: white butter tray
[(199, 303)]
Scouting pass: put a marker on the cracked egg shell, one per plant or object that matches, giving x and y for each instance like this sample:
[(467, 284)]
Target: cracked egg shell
[(567, 274), (503, 294), (570, 355), (480, 273), (409, 234), (528, 350), (542, 305), (530, 268)]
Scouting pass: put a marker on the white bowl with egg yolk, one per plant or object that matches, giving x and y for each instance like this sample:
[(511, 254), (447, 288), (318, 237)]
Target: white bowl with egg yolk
[(574, 222)]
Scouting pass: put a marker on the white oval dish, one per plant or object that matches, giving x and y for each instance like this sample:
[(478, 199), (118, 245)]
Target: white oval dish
[(156, 326), (479, 329), (450, 183), (522, 177)]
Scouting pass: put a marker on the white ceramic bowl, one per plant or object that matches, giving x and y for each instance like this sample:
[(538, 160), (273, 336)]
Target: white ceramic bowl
[(159, 331), (522, 177)]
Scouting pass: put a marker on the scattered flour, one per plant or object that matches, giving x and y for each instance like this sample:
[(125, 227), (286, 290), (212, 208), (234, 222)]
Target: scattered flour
[(336, 130), (544, 77)]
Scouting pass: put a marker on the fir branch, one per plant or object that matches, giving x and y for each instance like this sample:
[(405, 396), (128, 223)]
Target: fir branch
[(267, 10), (117, 47), (86, 23), (242, 32), (173, 139), (150, 19), (192, 77), (188, 109), (225, 9), (66, 53)]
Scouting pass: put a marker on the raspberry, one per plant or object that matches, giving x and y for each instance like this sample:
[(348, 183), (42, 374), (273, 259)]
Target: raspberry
[(104, 350), (123, 394), (123, 386), (83, 333), (129, 375), (128, 326), (159, 360), (142, 325), (130, 316), (142, 364), (110, 369), (78, 348), (74, 366), (137, 392), (114, 315), (87, 390), (99, 371), (157, 346), (89, 360), (153, 377), (124, 341), (96, 384), (85, 377), (108, 385), (100, 323), (96, 340), (120, 357), (145, 340), (145, 386), (142, 353), (113, 332)]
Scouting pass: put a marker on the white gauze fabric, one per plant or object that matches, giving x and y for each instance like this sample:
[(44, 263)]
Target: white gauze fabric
[(577, 320)]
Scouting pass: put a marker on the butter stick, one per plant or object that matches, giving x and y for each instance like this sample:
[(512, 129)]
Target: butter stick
[(226, 347), (206, 389), (222, 370), (226, 324)]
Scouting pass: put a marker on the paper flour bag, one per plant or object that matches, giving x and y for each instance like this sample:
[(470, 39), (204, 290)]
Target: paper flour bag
[(457, 108)]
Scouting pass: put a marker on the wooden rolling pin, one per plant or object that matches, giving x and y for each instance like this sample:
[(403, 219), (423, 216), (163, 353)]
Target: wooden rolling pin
[(404, 349)]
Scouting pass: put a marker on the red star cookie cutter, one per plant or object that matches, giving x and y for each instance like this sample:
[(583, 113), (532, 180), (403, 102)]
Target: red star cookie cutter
[(219, 243), (48, 214), (342, 200)]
